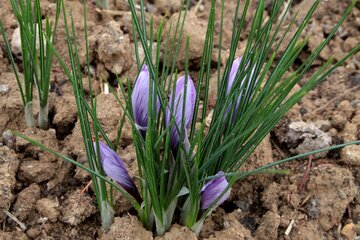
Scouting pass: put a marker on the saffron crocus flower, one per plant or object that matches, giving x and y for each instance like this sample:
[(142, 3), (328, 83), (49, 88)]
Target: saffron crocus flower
[(212, 190), (232, 75), (233, 71), (114, 168), (176, 102), (140, 98)]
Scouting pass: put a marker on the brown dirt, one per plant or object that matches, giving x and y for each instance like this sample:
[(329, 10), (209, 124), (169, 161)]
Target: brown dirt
[(43, 192)]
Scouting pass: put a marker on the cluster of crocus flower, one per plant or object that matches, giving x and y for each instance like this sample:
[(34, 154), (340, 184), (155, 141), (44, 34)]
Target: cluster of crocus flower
[(178, 117)]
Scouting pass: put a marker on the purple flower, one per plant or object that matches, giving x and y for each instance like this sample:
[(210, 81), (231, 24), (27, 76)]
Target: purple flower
[(212, 190), (233, 71), (114, 168), (232, 75), (175, 110), (140, 98)]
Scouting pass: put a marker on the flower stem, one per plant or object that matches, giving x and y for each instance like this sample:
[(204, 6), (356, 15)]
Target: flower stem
[(43, 118), (107, 214), (29, 115)]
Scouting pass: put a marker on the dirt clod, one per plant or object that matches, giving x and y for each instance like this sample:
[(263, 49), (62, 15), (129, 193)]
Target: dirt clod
[(65, 116), (338, 121), (48, 208), (178, 232), (25, 201), (304, 137), (268, 228), (114, 49), (8, 166), (76, 208), (133, 230), (233, 230), (11, 108), (197, 39), (334, 188), (36, 171)]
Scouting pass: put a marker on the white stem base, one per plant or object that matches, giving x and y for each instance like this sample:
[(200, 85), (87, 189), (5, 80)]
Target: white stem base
[(43, 118), (29, 115)]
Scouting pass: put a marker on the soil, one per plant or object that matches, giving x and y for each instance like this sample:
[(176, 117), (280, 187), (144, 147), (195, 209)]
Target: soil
[(319, 199)]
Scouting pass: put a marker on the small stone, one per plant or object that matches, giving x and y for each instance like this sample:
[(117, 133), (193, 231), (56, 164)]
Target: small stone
[(4, 88), (338, 121), (25, 201), (48, 208), (351, 155), (312, 209), (76, 208), (305, 137), (37, 171), (347, 232), (16, 42), (8, 139)]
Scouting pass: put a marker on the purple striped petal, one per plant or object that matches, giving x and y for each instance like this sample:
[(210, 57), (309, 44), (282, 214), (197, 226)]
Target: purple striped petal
[(232, 75), (233, 71), (175, 109), (212, 190), (140, 98), (114, 168)]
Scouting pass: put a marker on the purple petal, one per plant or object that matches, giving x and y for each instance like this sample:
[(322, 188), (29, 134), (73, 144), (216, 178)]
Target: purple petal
[(114, 168), (140, 98), (212, 190), (232, 75), (175, 108), (233, 71)]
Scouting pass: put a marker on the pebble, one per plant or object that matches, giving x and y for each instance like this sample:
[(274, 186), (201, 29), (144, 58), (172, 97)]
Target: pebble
[(347, 232), (4, 88), (308, 137), (8, 139)]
